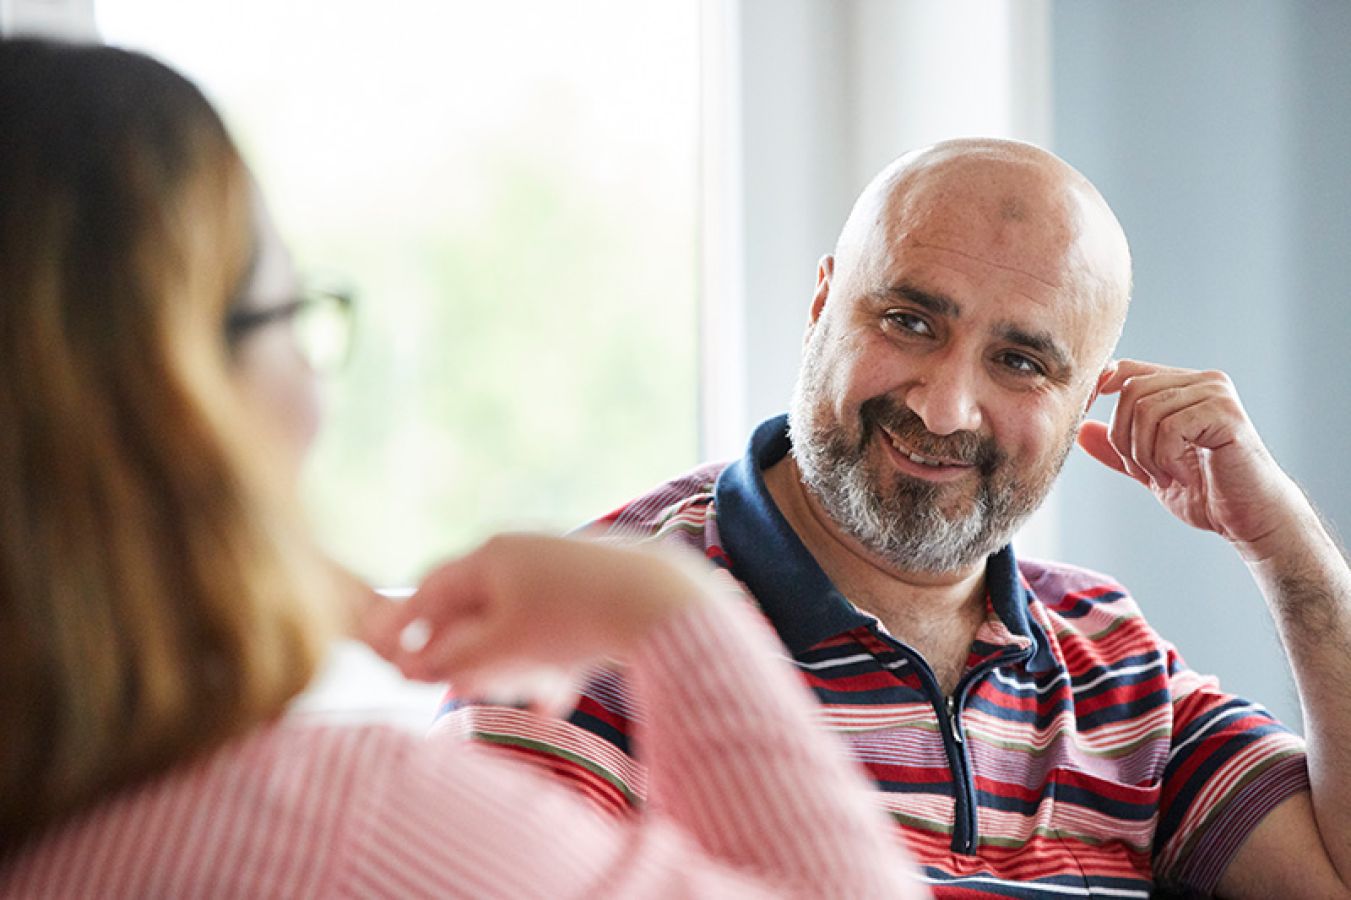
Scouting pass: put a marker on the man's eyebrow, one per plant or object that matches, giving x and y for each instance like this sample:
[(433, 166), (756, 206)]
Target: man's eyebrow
[(1040, 341), (938, 304), (942, 305)]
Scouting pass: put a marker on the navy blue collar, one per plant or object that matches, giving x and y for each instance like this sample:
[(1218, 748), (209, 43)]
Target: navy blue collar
[(805, 607)]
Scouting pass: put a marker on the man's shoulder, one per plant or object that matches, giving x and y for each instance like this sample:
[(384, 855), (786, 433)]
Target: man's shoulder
[(1075, 593), (678, 507)]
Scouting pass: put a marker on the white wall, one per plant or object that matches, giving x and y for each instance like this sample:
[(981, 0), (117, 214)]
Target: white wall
[(68, 19)]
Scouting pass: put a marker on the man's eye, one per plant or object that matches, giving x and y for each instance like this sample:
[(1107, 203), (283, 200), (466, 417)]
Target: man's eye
[(909, 322), (1023, 365)]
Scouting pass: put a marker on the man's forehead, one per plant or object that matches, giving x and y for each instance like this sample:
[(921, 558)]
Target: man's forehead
[(1012, 204), (1030, 227), (992, 218), (1039, 271), (1042, 244)]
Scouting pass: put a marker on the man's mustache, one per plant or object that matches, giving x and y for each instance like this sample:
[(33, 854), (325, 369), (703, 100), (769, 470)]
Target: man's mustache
[(903, 422)]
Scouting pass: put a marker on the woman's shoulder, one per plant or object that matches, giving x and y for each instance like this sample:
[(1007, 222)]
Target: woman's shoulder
[(271, 808)]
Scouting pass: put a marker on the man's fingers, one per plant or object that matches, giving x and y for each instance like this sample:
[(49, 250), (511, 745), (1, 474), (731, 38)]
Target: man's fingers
[(1163, 416), (1125, 369), (1147, 393), (1176, 432), (1121, 432), (1189, 430), (1094, 438), (1153, 453)]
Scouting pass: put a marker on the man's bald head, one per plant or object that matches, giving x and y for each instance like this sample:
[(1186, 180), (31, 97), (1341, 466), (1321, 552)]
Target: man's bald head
[(957, 337), (1036, 214)]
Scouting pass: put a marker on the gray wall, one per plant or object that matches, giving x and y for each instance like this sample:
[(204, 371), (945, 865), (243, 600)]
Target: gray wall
[(1220, 132)]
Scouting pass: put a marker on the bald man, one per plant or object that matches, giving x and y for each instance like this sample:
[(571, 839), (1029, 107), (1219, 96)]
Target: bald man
[(1028, 732)]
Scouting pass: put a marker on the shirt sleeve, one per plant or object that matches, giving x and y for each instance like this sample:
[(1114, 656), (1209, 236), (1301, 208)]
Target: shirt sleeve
[(733, 757), (590, 750), (1231, 763)]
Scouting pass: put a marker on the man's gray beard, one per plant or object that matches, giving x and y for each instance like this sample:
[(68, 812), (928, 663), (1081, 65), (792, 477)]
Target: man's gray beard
[(903, 524)]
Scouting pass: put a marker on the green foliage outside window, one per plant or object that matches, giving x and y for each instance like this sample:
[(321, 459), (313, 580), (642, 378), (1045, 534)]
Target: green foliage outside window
[(524, 261)]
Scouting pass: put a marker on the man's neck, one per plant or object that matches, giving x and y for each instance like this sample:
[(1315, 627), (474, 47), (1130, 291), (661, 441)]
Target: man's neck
[(919, 607)]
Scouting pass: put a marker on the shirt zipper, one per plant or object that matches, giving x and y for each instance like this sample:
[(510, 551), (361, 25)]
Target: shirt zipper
[(965, 831), (964, 826), (948, 709)]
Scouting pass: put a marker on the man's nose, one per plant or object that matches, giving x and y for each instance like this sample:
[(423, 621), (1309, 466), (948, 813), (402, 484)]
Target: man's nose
[(945, 398)]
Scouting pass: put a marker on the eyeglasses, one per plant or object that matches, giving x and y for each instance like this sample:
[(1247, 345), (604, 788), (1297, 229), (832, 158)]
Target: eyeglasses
[(320, 319)]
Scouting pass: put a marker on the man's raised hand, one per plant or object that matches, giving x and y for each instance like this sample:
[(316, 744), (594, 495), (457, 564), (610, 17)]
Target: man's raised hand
[(1184, 435)]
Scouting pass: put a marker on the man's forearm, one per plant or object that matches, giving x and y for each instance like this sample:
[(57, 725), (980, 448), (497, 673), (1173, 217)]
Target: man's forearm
[(1307, 583)]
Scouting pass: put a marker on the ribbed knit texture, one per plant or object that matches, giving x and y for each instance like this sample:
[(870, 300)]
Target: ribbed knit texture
[(749, 798)]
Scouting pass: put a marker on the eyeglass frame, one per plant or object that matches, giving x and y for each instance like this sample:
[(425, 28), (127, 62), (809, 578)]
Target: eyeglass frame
[(239, 323)]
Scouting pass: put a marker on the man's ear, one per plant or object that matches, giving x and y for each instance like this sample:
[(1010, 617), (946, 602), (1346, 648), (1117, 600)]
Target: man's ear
[(825, 270)]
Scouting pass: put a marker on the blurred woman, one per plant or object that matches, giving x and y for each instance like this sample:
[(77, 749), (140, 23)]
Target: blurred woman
[(161, 607)]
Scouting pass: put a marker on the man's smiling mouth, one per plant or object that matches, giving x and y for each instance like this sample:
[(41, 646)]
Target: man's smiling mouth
[(915, 456)]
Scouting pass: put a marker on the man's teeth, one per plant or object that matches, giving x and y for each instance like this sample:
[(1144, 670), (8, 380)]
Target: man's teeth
[(916, 458)]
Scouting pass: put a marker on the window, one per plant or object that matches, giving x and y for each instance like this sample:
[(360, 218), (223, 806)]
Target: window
[(511, 188)]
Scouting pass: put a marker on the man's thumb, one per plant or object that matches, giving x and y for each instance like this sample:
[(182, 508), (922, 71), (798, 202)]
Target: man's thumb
[(1093, 438)]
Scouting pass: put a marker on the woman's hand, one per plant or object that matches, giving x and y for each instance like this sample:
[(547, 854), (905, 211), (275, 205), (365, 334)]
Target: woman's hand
[(524, 612)]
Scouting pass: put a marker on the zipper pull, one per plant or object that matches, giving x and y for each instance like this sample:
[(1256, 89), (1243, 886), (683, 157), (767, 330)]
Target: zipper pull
[(952, 719)]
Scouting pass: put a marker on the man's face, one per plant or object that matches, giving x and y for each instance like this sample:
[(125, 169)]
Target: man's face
[(945, 375)]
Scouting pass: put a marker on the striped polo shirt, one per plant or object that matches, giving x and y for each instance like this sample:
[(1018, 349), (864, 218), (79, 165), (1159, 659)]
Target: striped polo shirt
[(1078, 755)]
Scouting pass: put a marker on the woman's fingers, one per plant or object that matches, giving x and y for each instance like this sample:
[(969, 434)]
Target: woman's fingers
[(525, 602), (378, 625), (449, 652)]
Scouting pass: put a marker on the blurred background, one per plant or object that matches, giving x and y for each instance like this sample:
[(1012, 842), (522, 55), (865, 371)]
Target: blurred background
[(585, 235)]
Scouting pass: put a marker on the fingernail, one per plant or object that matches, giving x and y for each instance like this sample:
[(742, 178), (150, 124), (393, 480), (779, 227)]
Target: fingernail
[(415, 635)]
